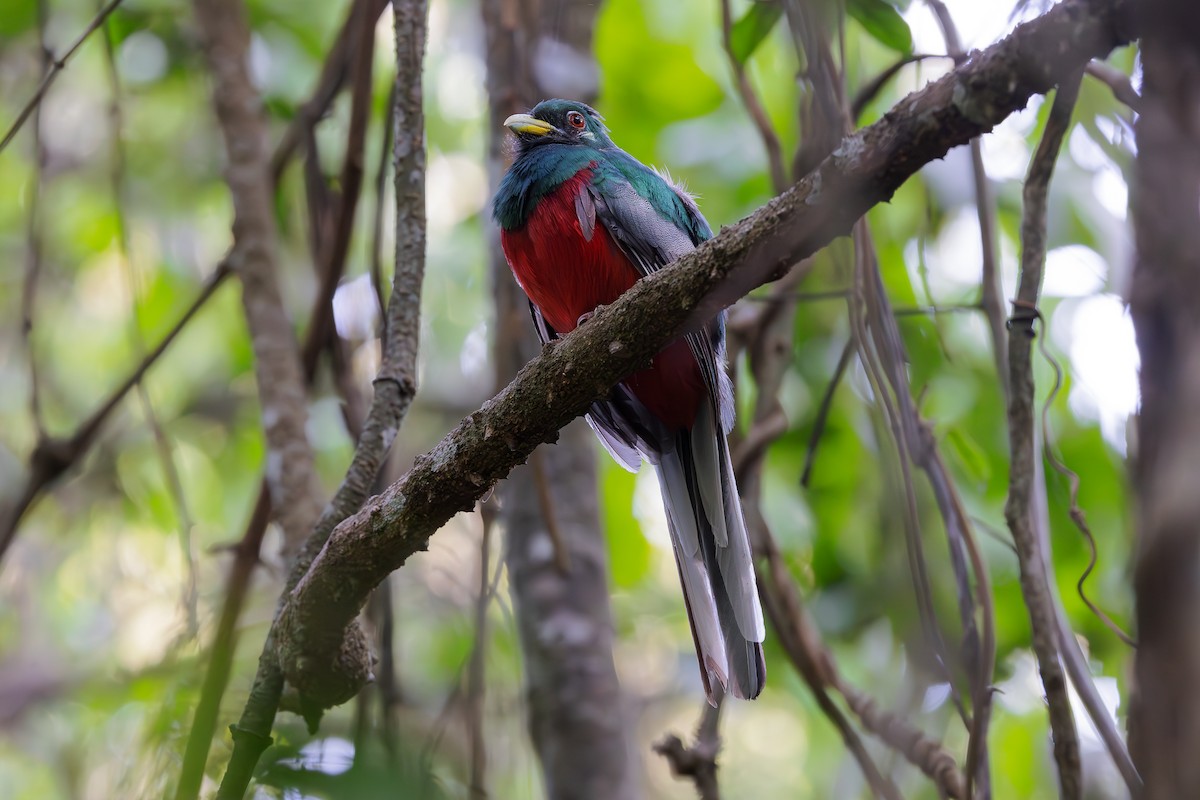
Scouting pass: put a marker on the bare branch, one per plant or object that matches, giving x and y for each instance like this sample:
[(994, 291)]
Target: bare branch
[(334, 73), (476, 671), (377, 219), (1118, 82), (926, 754), (754, 107), (871, 89), (698, 762), (823, 411), (799, 637), (220, 661), (216, 677), (990, 290), (33, 244), (57, 64), (331, 252), (880, 351), (53, 456), (867, 167), (395, 387), (1018, 509), (294, 492)]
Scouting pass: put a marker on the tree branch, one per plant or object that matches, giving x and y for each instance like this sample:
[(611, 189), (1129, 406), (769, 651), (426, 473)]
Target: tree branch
[(395, 387), (254, 257), (56, 66), (330, 254), (1018, 509), (53, 456), (866, 168), (990, 290), (698, 762), (1164, 723), (754, 107), (334, 72), (1118, 82), (247, 550)]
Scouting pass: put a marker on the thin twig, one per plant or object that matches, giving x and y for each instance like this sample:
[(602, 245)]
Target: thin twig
[(57, 64), (1074, 511), (377, 220), (978, 769), (220, 661), (800, 640), (766, 131), (33, 247), (769, 343), (54, 456), (698, 762), (1117, 81), (925, 753), (390, 695), (877, 344), (990, 290), (334, 72), (477, 785), (814, 438), (1018, 510), (562, 556), (871, 89), (331, 253), (979, 650)]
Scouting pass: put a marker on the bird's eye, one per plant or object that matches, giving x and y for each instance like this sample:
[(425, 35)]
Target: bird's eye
[(576, 120)]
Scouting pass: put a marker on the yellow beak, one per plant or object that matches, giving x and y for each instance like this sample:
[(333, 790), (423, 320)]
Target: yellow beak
[(525, 124)]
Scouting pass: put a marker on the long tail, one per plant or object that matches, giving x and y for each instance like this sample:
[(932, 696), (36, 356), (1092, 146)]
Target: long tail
[(712, 552)]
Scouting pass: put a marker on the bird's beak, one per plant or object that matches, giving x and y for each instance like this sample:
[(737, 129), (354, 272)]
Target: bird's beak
[(523, 124)]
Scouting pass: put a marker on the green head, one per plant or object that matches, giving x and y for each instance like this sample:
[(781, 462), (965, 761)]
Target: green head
[(559, 122)]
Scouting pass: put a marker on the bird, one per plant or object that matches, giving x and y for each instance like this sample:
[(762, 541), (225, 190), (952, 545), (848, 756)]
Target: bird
[(580, 222)]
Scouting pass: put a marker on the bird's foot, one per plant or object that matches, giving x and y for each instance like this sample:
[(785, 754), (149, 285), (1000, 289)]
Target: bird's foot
[(584, 317)]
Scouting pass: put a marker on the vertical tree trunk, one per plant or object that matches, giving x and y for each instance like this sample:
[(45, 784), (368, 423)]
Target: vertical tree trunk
[(555, 548), (1165, 300)]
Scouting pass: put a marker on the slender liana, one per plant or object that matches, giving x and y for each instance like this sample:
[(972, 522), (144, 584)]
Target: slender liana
[(581, 221)]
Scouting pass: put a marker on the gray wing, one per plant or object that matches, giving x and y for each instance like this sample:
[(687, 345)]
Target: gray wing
[(622, 424), (650, 242)]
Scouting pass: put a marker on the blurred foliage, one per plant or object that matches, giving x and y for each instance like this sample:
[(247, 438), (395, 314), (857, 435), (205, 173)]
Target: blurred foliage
[(98, 671)]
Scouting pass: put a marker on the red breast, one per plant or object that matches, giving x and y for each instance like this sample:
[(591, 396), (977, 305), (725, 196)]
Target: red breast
[(567, 275)]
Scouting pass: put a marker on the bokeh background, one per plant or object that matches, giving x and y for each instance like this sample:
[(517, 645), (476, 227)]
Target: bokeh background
[(108, 596)]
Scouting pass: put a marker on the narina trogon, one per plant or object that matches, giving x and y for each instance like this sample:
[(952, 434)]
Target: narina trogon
[(581, 220)]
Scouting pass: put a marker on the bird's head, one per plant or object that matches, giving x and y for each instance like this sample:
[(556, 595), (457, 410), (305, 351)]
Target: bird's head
[(559, 122)]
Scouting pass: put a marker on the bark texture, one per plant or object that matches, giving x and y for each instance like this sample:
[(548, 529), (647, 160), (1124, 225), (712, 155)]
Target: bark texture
[(290, 472), (555, 550), (1165, 712)]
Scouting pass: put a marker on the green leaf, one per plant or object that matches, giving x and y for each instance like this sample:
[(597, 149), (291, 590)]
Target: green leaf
[(883, 22), (749, 31), (628, 550)]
